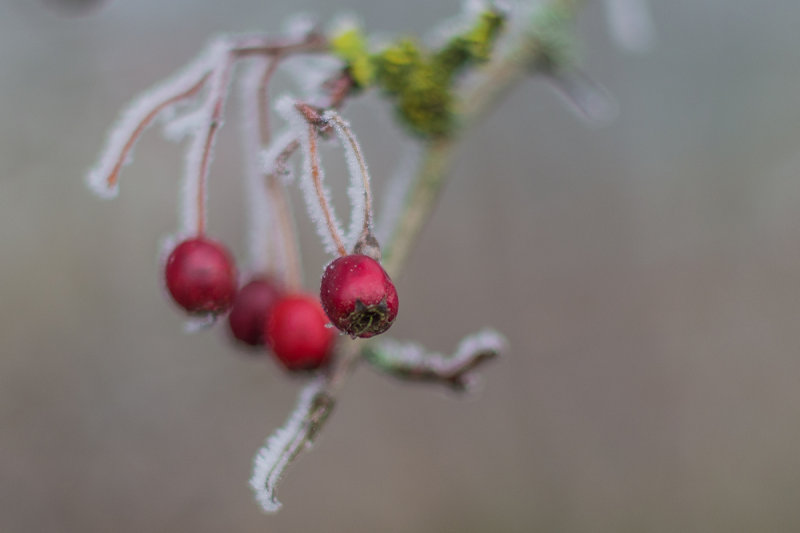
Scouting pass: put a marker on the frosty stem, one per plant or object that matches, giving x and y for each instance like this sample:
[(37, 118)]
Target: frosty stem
[(276, 190), (220, 78), (525, 55), (317, 180), (362, 166), (211, 71), (410, 361), (113, 176)]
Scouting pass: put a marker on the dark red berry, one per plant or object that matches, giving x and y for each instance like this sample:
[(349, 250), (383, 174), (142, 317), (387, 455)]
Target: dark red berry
[(297, 332), (251, 308), (358, 296), (201, 276)]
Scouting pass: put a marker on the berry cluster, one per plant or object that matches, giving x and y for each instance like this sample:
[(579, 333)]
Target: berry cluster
[(270, 309), (357, 297)]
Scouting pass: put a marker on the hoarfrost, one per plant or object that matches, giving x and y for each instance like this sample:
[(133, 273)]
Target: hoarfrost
[(299, 25), (411, 359), (269, 155), (357, 189), (285, 106), (178, 128), (201, 145), (260, 213), (631, 24), (463, 21), (139, 115), (309, 74), (199, 323), (282, 446)]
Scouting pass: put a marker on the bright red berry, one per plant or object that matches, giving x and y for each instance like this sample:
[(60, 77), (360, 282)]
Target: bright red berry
[(358, 296), (201, 276), (298, 334), (251, 308)]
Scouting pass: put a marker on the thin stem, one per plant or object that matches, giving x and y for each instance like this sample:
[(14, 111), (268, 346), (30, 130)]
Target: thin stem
[(113, 176), (323, 202), (410, 361), (259, 45), (290, 253), (223, 75), (420, 202), (345, 128), (263, 98), (497, 77), (524, 57)]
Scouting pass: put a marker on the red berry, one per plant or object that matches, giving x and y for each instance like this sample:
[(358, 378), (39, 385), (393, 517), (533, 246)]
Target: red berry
[(201, 276), (298, 334), (358, 296), (251, 308)]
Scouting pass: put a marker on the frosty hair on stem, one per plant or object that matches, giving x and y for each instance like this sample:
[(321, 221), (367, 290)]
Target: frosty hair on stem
[(315, 193), (210, 71), (261, 241), (281, 447), (359, 190), (103, 177)]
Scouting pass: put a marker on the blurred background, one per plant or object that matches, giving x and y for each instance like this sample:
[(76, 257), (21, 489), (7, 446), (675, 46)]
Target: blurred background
[(646, 273)]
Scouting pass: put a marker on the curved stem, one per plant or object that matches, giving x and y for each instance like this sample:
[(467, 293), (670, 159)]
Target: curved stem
[(362, 165), (323, 202), (113, 176), (276, 190)]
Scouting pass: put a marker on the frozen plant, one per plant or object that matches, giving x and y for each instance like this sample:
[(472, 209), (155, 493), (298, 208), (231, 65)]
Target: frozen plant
[(438, 89)]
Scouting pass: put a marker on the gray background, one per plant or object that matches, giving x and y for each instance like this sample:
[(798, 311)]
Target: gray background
[(647, 275)]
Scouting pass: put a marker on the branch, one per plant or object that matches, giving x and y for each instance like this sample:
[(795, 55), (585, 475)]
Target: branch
[(410, 361), (528, 51), (314, 405)]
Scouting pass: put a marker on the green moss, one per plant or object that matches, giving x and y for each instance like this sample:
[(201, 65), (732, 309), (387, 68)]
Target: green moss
[(551, 29), (473, 46), (395, 64), (351, 46), (419, 81)]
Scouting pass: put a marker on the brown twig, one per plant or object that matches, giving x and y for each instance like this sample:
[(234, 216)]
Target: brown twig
[(317, 180), (113, 176)]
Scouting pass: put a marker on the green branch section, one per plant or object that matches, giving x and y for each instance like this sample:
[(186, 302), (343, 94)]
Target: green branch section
[(419, 81)]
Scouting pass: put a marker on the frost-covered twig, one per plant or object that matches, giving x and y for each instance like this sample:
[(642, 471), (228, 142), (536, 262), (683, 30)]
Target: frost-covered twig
[(314, 405), (361, 238), (524, 53), (411, 361), (210, 71), (520, 57), (312, 171), (272, 242)]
